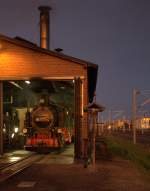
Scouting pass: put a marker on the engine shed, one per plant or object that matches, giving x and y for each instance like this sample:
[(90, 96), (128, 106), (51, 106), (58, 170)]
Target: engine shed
[(21, 60), (27, 71)]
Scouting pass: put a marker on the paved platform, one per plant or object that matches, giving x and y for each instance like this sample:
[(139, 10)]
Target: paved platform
[(61, 174), (116, 175), (65, 156)]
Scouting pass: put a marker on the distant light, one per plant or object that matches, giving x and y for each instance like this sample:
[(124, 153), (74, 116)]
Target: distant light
[(12, 135), (27, 82), (16, 129), (73, 81), (62, 87), (67, 112)]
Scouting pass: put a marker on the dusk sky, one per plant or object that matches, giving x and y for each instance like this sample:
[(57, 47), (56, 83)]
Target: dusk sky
[(115, 34)]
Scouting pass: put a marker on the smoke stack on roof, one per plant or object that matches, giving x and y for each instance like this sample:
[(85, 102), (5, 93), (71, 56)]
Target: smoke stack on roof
[(44, 26)]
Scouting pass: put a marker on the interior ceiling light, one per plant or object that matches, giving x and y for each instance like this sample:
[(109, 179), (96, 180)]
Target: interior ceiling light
[(27, 82), (15, 84)]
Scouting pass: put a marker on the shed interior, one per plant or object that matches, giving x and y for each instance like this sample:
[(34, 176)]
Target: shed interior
[(23, 96)]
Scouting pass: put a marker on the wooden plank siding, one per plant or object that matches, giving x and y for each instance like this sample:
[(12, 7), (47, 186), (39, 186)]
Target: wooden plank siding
[(20, 62)]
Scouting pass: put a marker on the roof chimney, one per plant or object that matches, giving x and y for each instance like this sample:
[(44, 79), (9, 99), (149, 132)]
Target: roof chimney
[(44, 26)]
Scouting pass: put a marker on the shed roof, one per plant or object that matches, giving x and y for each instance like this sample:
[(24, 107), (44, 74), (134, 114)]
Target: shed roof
[(27, 44), (92, 69)]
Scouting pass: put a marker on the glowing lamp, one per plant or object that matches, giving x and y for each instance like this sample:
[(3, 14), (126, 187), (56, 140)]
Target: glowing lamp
[(27, 82), (16, 129), (12, 135)]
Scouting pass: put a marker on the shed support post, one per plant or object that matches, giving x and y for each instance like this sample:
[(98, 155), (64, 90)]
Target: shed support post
[(1, 118), (78, 124)]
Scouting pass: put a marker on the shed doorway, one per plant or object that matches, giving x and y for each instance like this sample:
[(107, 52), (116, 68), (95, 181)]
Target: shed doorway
[(22, 97)]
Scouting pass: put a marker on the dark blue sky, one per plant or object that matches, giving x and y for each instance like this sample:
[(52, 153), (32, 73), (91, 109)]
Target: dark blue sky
[(115, 34)]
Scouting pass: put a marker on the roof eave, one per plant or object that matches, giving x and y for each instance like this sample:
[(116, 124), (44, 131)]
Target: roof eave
[(49, 52)]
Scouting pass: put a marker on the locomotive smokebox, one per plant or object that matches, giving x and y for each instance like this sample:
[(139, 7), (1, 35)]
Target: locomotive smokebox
[(42, 117), (44, 26)]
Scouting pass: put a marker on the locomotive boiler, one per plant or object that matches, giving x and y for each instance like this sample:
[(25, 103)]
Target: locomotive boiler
[(44, 132)]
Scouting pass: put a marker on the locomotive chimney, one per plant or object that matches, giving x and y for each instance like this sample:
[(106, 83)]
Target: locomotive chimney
[(44, 26)]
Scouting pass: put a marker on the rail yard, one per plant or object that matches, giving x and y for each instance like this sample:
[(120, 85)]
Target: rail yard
[(142, 136)]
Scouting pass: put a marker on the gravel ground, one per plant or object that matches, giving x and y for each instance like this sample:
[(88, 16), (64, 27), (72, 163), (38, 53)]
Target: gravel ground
[(114, 175)]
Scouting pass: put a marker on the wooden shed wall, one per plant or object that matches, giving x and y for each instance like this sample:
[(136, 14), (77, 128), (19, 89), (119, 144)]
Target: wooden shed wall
[(20, 62)]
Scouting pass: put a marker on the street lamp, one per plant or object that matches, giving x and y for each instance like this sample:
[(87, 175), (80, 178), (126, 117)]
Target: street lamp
[(93, 110)]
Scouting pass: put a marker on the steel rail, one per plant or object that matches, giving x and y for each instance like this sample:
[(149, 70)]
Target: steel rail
[(5, 165), (19, 166)]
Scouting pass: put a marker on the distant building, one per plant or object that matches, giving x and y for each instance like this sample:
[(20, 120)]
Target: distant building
[(143, 123)]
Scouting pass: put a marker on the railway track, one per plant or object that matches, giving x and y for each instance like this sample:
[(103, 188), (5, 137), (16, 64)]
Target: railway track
[(6, 161), (64, 156), (14, 168)]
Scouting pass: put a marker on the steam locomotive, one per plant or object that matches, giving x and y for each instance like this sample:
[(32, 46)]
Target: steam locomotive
[(44, 128)]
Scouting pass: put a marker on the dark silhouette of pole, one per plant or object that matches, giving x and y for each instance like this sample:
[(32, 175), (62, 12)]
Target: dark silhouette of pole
[(134, 112)]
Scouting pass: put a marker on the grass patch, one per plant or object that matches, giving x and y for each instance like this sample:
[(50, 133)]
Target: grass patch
[(125, 149)]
